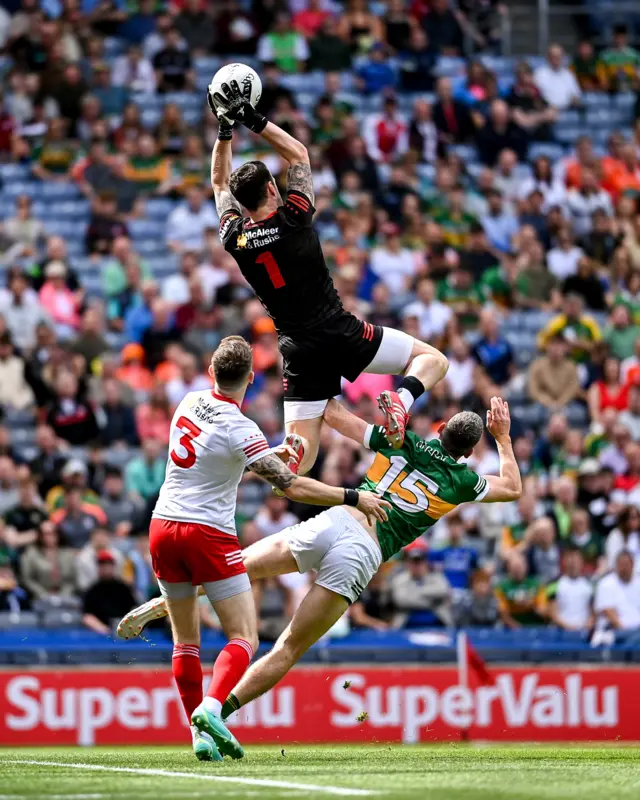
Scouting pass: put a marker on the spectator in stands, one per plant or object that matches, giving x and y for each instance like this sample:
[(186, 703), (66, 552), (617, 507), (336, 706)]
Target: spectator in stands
[(134, 72), (15, 391), (542, 551), (443, 27), (582, 537), (631, 366), (500, 132), (630, 417), (69, 414), (76, 520), (513, 536), (557, 82), (118, 425), (190, 380), (172, 64), (529, 108), (461, 370), (122, 509), (161, 332), (618, 65), (21, 310), (56, 155), (148, 170), (59, 302), (585, 67), (617, 600), (144, 474), (373, 608), (283, 45), (608, 392), (587, 284), (24, 519), (433, 317), (417, 62), (105, 224), (90, 342), (421, 596), (376, 75), (386, 135), (13, 597), (195, 27), (48, 569), (457, 559), (153, 418), (358, 27), (553, 379), (274, 516), (499, 224), (23, 233), (563, 259), (579, 330), (87, 558), (452, 118), (583, 201), (189, 221), (48, 460), (328, 51), (112, 98), (492, 351), (520, 596), (621, 334), (108, 599), (570, 598), (627, 484), (625, 536), (9, 494), (479, 606), (392, 263)]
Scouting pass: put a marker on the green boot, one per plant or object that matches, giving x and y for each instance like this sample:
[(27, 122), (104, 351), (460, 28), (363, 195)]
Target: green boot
[(203, 746), (212, 724)]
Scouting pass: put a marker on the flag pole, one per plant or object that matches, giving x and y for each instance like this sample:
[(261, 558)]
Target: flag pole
[(462, 653)]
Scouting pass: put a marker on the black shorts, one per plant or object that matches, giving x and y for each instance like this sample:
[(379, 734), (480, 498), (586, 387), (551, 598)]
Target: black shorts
[(316, 360)]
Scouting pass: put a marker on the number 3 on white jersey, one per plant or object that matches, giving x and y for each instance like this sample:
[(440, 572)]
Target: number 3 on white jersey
[(393, 482)]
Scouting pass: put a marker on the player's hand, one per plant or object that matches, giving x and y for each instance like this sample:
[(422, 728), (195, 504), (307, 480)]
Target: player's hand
[(373, 507), (286, 454), (236, 106), (498, 418), (225, 126)]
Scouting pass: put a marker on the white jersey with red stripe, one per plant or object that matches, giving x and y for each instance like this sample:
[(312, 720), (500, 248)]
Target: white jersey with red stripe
[(211, 443)]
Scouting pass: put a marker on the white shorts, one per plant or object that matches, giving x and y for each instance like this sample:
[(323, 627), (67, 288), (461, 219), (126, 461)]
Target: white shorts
[(339, 548), (392, 358)]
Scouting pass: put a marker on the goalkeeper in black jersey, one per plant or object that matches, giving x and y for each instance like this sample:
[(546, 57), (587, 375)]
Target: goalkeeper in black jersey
[(281, 257)]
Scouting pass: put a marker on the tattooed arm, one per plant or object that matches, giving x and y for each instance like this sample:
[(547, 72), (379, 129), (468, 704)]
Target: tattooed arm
[(306, 490), (293, 151), (220, 174)]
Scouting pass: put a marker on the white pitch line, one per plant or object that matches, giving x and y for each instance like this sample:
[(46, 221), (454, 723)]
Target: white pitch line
[(161, 773)]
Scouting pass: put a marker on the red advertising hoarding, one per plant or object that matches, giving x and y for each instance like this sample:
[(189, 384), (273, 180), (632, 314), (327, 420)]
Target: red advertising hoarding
[(315, 705)]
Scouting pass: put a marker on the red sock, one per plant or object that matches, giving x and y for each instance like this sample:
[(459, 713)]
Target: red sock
[(229, 667), (187, 672)]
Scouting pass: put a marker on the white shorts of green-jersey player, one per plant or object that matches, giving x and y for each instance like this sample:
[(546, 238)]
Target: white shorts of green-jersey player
[(422, 481)]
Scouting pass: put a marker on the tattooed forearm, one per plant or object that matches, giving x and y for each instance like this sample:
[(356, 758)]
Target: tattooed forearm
[(274, 471), (225, 201), (299, 178)]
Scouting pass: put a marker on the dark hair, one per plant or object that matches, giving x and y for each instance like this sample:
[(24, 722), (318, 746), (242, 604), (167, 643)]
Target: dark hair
[(232, 362), (248, 184), (462, 433)]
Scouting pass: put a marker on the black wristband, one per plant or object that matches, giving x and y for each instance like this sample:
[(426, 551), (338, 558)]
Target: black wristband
[(256, 122), (351, 497), (225, 132)]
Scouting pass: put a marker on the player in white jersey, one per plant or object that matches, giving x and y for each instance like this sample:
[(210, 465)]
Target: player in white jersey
[(193, 539)]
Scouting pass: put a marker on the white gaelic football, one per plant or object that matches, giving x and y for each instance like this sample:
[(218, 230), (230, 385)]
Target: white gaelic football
[(247, 78)]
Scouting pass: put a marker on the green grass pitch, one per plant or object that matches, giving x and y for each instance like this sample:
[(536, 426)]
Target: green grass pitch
[(445, 772)]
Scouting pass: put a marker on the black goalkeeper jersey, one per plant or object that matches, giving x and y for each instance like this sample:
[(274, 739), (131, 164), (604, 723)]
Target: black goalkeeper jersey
[(282, 260)]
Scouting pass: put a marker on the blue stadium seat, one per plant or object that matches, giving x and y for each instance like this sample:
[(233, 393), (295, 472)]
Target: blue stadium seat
[(150, 117), (596, 100), (14, 172), (146, 228), (148, 247), (158, 208), (567, 134), (58, 191), (466, 152), (450, 66)]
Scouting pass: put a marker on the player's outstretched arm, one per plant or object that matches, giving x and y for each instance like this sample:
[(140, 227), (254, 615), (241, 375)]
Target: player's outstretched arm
[(236, 107), (508, 486), (306, 490), (342, 420), (220, 174)]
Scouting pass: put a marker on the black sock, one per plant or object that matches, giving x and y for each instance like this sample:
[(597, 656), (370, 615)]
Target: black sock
[(413, 386), (230, 705)]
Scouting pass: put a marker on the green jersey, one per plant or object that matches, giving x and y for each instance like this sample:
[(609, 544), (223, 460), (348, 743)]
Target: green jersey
[(422, 482)]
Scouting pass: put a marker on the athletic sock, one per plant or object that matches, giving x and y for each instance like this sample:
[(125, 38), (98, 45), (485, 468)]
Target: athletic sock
[(230, 705), (230, 666), (410, 390), (187, 673)]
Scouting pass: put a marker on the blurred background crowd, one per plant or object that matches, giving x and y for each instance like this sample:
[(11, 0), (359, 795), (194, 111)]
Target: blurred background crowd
[(485, 203)]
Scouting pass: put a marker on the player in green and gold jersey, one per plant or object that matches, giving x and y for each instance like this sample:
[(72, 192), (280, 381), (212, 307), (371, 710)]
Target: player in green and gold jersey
[(421, 482)]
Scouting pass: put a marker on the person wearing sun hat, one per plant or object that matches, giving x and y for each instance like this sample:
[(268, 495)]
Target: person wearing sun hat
[(133, 371)]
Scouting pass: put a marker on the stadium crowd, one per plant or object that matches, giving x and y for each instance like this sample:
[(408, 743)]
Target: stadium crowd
[(486, 205)]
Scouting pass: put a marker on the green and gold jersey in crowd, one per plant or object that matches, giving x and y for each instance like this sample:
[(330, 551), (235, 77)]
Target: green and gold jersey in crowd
[(421, 481), (618, 67)]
